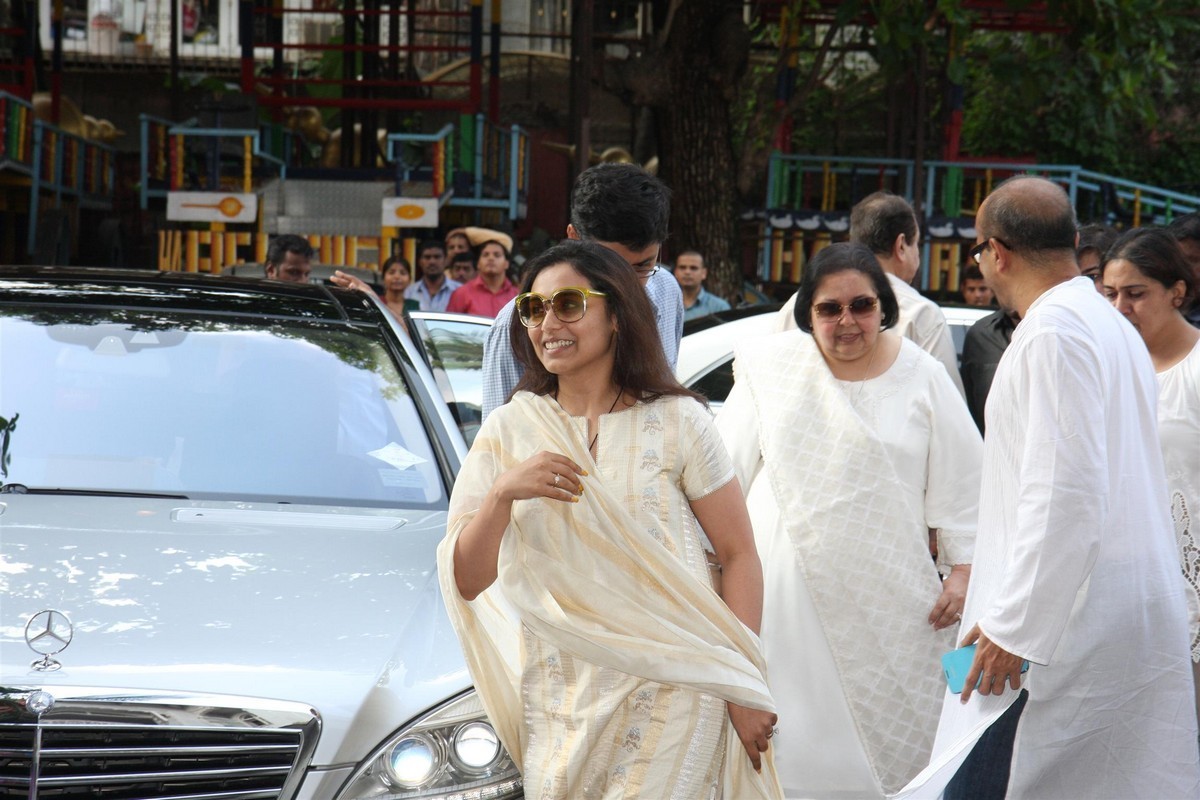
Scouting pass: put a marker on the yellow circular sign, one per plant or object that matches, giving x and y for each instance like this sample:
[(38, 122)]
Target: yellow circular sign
[(230, 206), (410, 211)]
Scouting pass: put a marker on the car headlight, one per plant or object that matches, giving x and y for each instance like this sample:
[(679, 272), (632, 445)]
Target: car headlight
[(451, 753)]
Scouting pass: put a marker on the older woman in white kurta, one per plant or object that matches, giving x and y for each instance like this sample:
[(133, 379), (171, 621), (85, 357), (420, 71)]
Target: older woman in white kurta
[(853, 443)]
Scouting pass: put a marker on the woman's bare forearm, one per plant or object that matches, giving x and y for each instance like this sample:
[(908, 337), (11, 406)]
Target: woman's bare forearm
[(478, 547)]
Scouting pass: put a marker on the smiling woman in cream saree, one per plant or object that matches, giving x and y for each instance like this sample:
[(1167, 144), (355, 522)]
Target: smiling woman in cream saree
[(574, 568)]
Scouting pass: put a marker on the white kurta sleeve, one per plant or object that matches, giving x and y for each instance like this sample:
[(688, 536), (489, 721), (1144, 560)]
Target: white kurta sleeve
[(737, 423), (1063, 495), (954, 473), (932, 333)]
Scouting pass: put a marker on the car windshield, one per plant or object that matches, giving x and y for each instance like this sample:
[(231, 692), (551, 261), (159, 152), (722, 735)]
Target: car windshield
[(206, 408)]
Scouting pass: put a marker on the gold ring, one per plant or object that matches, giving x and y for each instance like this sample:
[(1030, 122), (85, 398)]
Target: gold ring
[(557, 477)]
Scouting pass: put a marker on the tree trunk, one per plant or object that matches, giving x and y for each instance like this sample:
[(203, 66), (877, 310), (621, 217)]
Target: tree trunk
[(703, 58)]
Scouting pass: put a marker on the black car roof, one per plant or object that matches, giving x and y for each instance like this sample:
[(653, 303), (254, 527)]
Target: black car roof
[(183, 291)]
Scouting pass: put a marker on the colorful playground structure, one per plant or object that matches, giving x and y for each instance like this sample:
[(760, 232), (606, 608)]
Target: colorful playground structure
[(478, 169), (50, 180), (809, 198)]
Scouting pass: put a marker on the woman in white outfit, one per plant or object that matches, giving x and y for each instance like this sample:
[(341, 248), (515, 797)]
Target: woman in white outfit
[(854, 444), (1147, 278)]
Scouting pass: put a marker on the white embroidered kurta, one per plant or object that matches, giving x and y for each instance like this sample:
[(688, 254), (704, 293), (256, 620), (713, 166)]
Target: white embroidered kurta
[(602, 653), (1076, 567), (921, 320), (1179, 431), (844, 480)]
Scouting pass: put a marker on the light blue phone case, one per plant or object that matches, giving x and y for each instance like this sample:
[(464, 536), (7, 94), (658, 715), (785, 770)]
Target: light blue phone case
[(957, 663)]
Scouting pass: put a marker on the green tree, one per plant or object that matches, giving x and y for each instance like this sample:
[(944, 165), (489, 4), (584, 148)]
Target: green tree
[(1113, 91), (1098, 89)]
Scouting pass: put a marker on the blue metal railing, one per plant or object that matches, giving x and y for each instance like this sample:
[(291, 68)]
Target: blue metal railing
[(164, 151), (421, 156), (501, 177), (55, 160), (154, 166), (815, 193), (500, 166)]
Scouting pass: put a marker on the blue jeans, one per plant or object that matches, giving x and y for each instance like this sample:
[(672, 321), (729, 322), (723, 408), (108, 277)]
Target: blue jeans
[(984, 775)]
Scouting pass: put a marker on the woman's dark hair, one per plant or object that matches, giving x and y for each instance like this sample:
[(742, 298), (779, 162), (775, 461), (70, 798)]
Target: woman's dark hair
[(639, 366), (1097, 238), (1157, 255), (841, 257), (394, 260)]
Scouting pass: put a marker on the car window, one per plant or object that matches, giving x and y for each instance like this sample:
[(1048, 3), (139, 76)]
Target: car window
[(455, 349), (716, 383), (274, 410)]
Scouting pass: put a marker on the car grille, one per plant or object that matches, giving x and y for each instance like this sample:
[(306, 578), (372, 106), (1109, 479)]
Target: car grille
[(130, 746)]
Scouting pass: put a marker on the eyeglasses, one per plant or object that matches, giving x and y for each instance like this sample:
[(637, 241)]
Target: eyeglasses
[(645, 272), (568, 304), (976, 252), (858, 307)]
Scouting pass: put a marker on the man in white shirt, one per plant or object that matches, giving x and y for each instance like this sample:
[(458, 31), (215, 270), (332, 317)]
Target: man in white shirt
[(1076, 568), (887, 224)]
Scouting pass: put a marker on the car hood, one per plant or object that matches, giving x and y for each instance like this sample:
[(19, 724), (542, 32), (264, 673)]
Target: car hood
[(338, 608)]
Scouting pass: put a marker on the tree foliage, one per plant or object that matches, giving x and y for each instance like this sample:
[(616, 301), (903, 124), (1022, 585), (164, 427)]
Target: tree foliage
[(1107, 94), (1113, 88)]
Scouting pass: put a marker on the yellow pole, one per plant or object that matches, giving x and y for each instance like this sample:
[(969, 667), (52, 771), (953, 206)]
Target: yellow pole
[(216, 248), (191, 259), (249, 163)]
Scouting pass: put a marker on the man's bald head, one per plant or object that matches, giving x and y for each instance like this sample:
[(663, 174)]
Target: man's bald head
[(1030, 216)]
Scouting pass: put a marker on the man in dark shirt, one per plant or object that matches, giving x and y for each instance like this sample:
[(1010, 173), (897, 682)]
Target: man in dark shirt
[(984, 344)]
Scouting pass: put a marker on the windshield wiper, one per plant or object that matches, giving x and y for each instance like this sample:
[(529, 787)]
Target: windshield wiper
[(20, 488)]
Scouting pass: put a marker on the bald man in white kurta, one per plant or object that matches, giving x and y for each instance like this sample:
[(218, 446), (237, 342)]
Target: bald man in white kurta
[(1075, 566)]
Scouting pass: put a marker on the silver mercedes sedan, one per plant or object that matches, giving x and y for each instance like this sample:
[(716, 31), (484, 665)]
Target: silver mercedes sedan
[(220, 500)]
